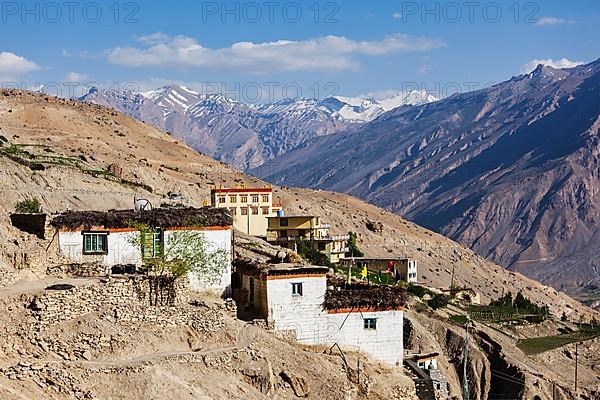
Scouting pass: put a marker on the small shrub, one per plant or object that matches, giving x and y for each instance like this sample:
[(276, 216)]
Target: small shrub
[(438, 301), (29, 206), (37, 167)]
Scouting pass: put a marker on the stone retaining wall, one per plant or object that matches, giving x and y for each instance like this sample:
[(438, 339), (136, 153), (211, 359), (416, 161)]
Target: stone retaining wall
[(128, 298), (79, 269)]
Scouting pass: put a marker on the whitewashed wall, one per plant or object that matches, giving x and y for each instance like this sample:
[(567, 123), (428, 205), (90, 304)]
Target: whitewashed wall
[(121, 251), (305, 317), (215, 239), (383, 344), (301, 315), (120, 248)]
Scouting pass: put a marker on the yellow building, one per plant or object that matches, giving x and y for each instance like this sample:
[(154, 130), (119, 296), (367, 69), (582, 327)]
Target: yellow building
[(286, 231), (249, 207)]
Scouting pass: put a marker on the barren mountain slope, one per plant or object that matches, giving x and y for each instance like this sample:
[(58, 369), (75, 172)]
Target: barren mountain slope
[(101, 137), (509, 171)]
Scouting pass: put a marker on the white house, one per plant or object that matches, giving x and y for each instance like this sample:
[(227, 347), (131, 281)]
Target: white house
[(296, 299), (113, 238)]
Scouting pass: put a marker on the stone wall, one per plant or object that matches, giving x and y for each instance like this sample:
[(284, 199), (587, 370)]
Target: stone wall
[(123, 298), (79, 269)]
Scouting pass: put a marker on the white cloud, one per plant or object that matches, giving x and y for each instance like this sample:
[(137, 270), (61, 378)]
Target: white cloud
[(12, 66), (561, 63), (396, 15), (424, 69), (323, 53), (76, 77), (548, 21)]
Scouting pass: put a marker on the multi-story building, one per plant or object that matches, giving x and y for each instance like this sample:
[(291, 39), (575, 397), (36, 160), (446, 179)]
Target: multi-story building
[(249, 207), (286, 231)]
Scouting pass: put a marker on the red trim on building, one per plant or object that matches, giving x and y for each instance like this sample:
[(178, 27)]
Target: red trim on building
[(242, 190), (362, 310)]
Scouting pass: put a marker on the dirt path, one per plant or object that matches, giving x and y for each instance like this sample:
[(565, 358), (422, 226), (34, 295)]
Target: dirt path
[(24, 287)]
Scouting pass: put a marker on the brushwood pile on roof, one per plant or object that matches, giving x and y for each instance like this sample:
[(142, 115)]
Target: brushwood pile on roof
[(357, 296), (159, 217)]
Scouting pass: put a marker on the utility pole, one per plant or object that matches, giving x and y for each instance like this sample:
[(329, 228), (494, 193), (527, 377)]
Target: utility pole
[(248, 214), (465, 361), (576, 362)]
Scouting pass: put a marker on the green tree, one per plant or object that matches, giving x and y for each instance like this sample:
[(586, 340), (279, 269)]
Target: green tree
[(181, 254), (352, 246), (307, 251), (29, 206)]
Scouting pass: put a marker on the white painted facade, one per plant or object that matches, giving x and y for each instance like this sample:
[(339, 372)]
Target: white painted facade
[(122, 250), (385, 343), (301, 315), (304, 318)]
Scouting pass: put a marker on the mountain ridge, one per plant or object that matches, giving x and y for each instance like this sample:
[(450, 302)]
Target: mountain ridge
[(246, 135), (458, 166)]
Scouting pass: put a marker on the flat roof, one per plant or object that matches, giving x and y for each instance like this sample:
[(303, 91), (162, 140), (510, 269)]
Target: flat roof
[(376, 258), (357, 297), (242, 190), (158, 217), (267, 269), (295, 216)]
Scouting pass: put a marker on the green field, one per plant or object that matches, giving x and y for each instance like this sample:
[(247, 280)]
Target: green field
[(541, 344)]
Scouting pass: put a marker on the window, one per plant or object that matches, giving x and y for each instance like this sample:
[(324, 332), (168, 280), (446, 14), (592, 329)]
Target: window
[(233, 210), (152, 244), (296, 289), (221, 199), (254, 210), (265, 198), (265, 210), (232, 198), (243, 210), (370, 323), (243, 198), (255, 198), (283, 222), (95, 242)]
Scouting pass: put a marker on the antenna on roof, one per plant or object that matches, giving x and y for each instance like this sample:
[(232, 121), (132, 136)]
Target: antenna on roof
[(141, 204)]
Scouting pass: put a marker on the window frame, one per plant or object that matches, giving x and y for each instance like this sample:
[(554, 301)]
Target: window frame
[(243, 210), (297, 289), (370, 324), (104, 242), (243, 198), (265, 198), (233, 198)]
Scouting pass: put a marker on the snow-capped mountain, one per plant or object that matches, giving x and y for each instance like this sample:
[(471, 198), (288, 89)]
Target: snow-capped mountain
[(358, 109), (247, 135)]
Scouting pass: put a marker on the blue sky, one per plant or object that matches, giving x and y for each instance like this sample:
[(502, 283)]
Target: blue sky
[(309, 48)]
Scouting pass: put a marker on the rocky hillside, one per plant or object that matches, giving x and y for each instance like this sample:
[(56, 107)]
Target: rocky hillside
[(509, 171), (246, 135), (83, 156)]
